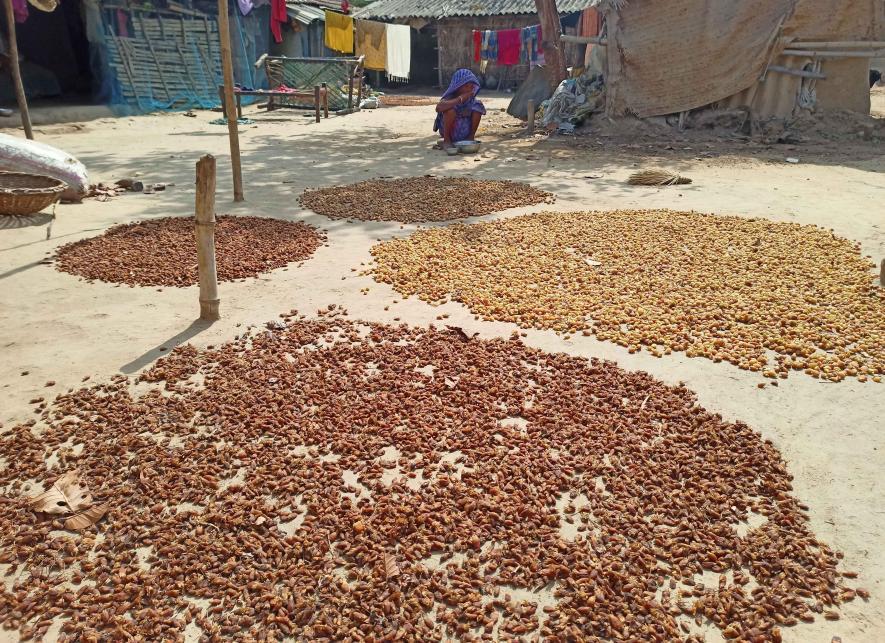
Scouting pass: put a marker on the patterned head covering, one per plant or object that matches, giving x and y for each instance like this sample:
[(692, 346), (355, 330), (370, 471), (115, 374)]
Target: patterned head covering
[(461, 78)]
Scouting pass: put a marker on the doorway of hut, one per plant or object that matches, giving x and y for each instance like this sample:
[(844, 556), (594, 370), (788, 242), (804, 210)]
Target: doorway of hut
[(54, 57)]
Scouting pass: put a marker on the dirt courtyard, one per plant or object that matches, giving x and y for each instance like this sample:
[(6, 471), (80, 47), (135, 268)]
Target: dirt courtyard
[(58, 328)]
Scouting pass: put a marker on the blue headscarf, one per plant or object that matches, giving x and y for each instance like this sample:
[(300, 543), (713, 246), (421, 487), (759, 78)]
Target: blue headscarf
[(461, 78)]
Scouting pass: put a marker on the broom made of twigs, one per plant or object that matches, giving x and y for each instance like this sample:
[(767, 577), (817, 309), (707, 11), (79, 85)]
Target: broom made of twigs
[(657, 177)]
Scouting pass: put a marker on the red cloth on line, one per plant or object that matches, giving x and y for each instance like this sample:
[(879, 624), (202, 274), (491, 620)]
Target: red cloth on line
[(477, 46), (278, 17), (508, 46)]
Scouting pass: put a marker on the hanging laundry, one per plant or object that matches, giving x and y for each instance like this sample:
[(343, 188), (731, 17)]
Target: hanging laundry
[(489, 46), (122, 24), (245, 6), (278, 17), (508, 46), (371, 42), (399, 52), (20, 10), (339, 32), (589, 27), (477, 46)]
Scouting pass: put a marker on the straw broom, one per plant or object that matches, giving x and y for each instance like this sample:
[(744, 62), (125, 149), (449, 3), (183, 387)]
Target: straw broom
[(657, 177)]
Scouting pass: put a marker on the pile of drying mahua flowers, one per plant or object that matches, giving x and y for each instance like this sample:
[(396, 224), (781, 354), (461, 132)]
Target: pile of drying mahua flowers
[(163, 252), (768, 297), (330, 479), (423, 198)]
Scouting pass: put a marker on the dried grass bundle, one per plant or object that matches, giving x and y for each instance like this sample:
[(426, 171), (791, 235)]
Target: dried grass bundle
[(657, 177)]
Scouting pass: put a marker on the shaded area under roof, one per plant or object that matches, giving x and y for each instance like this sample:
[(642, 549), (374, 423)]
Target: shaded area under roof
[(391, 9)]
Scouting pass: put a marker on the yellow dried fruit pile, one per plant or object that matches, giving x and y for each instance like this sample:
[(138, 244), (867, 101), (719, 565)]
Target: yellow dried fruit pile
[(766, 296), (421, 198)]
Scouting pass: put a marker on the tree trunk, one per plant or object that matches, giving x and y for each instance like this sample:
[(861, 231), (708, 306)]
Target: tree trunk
[(552, 46)]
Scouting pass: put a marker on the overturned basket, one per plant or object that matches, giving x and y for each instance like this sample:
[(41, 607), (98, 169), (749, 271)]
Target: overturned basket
[(22, 193)]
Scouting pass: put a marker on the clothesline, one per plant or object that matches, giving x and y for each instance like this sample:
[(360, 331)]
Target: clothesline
[(521, 46), (384, 46)]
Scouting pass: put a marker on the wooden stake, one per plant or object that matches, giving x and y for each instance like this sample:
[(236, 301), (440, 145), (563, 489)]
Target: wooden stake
[(554, 61), (325, 101), (227, 67), (530, 107), (205, 225), (16, 71), (882, 274), (316, 101)]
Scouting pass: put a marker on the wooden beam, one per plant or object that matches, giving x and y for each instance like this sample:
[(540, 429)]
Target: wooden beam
[(809, 53), (847, 44), (16, 71), (227, 67), (797, 72), (205, 225), (554, 60)]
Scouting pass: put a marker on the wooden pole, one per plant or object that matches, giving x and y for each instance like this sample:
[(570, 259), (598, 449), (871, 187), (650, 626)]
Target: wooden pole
[(554, 60), (205, 226), (227, 68), (325, 100), (16, 71), (530, 107), (316, 101), (882, 274)]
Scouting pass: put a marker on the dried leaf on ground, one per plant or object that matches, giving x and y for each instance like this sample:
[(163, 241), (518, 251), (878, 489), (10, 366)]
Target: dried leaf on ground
[(87, 518), (65, 496), (391, 568), (460, 332)]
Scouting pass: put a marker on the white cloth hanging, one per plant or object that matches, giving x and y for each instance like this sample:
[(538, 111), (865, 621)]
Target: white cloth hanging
[(399, 52)]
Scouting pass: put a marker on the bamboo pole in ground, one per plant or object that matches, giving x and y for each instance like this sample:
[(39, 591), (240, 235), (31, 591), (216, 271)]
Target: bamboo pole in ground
[(227, 68), (205, 228), (530, 121), (16, 71)]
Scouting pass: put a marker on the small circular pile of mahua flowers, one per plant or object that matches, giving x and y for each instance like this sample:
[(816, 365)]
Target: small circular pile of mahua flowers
[(163, 252), (765, 296), (422, 198), (332, 479)]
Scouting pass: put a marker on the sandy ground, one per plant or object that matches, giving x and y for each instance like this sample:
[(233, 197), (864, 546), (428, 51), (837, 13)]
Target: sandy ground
[(57, 327)]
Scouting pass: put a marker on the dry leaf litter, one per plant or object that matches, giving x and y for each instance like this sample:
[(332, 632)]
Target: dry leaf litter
[(765, 296), (163, 252), (334, 479), (423, 198)]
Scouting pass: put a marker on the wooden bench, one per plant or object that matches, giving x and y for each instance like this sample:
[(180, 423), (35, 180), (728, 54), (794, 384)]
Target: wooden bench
[(319, 96)]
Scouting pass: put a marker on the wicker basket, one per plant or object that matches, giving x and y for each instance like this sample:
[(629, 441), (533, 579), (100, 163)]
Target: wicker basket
[(22, 193)]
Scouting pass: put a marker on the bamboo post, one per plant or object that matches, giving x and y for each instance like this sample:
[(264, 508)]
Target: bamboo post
[(530, 108), (350, 89), (316, 101), (205, 228), (325, 100), (227, 67), (16, 71)]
